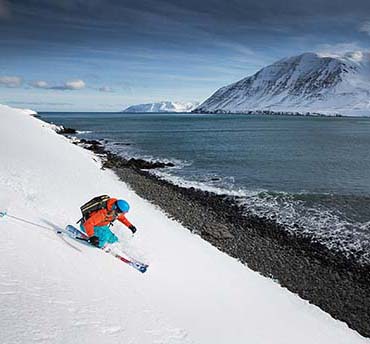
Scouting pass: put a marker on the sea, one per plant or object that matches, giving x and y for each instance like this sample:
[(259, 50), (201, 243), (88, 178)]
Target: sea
[(310, 174)]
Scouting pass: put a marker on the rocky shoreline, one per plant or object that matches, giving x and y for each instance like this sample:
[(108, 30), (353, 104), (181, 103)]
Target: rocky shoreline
[(267, 112), (336, 284)]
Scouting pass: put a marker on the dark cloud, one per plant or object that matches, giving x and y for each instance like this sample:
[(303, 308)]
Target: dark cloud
[(231, 10), (4, 10), (130, 20), (54, 27), (193, 12)]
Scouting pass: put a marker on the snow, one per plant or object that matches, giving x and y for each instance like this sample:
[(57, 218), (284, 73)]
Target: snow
[(307, 83), (61, 291), (164, 106), (24, 111)]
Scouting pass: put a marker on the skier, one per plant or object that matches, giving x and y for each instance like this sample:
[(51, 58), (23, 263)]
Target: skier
[(96, 225)]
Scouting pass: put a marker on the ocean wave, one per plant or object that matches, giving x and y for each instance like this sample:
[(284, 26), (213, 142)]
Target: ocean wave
[(297, 213), (320, 222), (127, 151), (84, 131), (201, 185)]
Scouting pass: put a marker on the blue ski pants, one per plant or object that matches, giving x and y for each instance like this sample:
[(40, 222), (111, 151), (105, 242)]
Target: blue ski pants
[(104, 234)]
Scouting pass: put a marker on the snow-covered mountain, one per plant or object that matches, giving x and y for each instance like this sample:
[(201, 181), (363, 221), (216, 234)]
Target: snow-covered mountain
[(305, 83), (165, 106)]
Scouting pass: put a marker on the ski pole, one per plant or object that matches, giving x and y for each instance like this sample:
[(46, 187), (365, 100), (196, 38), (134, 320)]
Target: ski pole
[(4, 213)]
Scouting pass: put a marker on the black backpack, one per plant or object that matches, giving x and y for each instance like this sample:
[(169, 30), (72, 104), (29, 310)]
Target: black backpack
[(97, 203)]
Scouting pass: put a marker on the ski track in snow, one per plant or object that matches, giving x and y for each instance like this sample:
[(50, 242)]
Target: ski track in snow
[(51, 292)]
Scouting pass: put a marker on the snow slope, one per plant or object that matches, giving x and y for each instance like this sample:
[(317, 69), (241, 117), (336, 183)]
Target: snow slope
[(55, 291), (304, 83), (165, 106)]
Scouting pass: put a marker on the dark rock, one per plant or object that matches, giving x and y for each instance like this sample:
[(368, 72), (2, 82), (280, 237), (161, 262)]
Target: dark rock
[(65, 131), (90, 142), (137, 164), (147, 165), (122, 144)]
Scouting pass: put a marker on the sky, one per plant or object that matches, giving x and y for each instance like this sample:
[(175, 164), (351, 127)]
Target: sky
[(95, 55)]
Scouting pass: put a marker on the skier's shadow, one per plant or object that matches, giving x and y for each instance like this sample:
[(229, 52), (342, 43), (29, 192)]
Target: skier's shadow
[(59, 233)]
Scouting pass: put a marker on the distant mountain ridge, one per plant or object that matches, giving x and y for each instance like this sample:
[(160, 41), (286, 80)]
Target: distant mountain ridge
[(307, 83), (165, 106)]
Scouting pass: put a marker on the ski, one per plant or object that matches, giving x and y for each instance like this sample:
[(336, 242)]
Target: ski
[(79, 235), (132, 262), (75, 233)]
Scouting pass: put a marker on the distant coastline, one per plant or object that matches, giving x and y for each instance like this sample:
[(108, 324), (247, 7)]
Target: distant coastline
[(269, 112), (217, 112)]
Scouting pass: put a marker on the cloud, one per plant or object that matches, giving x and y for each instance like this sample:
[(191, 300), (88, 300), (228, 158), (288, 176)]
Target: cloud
[(40, 84), (71, 85), (338, 49), (37, 103), (11, 81), (365, 27), (105, 89)]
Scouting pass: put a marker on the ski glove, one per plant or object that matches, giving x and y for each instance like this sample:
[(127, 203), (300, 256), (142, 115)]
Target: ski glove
[(94, 240), (133, 229)]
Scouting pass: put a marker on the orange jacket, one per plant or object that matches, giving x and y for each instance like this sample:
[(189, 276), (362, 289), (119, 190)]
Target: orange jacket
[(104, 217)]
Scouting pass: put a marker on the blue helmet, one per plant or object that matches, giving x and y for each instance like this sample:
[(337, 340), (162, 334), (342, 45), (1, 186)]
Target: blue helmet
[(122, 206)]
